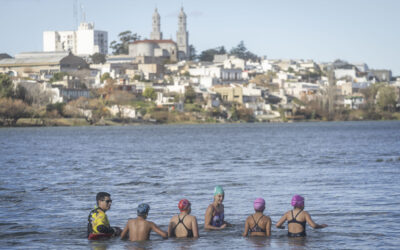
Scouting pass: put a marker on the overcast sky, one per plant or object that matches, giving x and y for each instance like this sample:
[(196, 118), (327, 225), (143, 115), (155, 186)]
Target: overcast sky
[(323, 30)]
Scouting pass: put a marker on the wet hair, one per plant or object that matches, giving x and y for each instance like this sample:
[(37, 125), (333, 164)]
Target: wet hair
[(101, 196)]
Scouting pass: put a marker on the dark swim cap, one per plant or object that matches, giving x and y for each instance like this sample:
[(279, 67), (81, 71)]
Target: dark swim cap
[(143, 209)]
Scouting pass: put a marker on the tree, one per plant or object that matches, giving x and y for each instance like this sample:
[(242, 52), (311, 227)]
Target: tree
[(6, 86), (105, 76), (192, 52), (125, 38), (386, 98), (98, 58), (190, 95), (58, 76), (208, 55), (56, 108), (150, 93), (241, 51), (12, 110), (120, 98)]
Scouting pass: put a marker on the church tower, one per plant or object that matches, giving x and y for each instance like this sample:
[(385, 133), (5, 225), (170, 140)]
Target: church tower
[(182, 37), (156, 31)]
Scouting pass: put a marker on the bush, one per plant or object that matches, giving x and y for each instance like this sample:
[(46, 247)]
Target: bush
[(12, 110), (56, 108)]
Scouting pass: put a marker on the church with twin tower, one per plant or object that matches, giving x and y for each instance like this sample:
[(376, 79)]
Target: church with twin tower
[(156, 46)]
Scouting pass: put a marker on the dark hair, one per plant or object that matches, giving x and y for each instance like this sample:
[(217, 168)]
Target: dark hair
[(101, 196)]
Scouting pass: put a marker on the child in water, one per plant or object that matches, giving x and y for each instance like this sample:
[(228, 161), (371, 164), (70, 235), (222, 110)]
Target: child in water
[(258, 224), (139, 229), (297, 219)]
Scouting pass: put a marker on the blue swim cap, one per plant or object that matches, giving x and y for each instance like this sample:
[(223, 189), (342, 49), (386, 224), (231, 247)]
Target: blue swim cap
[(218, 190), (143, 209)]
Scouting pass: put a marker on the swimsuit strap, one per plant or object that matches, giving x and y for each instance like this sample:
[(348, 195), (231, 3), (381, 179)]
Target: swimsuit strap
[(294, 220), (256, 222), (301, 210), (256, 227), (180, 221)]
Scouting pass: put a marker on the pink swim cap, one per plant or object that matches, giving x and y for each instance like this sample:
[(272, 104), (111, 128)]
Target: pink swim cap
[(297, 201), (259, 204)]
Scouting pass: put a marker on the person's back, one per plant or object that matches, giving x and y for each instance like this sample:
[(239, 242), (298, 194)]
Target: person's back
[(139, 229), (258, 224), (297, 219), (184, 224)]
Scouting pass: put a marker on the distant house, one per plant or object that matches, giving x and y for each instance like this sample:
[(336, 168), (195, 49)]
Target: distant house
[(230, 93), (354, 101), (34, 64), (382, 75)]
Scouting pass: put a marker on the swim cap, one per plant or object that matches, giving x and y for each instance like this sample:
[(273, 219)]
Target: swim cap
[(143, 209), (183, 204), (297, 201), (259, 204), (218, 190)]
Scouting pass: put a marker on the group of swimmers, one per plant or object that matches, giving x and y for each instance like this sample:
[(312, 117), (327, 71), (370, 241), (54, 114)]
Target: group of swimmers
[(185, 225)]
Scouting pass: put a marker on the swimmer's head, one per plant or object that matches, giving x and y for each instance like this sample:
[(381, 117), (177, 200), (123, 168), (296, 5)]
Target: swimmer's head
[(184, 205), (218, 190), (219, 194), (259, 205), (297, 201), (143, 209)]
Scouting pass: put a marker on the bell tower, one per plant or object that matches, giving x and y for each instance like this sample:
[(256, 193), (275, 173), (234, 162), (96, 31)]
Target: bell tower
[(156, 31), (182, 36)]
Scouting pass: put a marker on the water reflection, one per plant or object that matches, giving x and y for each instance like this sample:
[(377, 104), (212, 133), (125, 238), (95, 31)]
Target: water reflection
[(259, 242)]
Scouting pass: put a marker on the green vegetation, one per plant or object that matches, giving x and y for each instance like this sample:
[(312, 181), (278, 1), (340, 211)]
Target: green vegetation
[(125, 38), (150, 93), (241, 51), (59, 76), (98, 58), (208, 55)]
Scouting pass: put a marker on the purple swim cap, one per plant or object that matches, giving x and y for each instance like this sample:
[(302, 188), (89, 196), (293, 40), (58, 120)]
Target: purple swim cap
[(259, 204), (297, 201)]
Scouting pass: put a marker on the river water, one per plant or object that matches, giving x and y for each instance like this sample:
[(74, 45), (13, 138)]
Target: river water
[(348, 173)]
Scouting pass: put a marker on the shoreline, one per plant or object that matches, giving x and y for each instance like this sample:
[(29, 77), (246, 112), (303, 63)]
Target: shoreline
[(80, 122)]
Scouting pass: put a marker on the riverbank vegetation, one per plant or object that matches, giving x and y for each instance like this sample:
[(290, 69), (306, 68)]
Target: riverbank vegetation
[(111, 106)]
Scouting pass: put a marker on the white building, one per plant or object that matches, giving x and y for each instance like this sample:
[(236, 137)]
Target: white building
[(342, 73), (84, 41)]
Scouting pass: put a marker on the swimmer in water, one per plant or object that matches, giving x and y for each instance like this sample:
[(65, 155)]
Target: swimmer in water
[(98, 224), (214, 218), (297, 219), (258, 224), (183, 225), (139, 229)]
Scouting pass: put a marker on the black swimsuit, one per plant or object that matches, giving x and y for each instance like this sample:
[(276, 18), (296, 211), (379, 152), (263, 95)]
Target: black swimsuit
[(189, 231), (256, 227), (303, 223)]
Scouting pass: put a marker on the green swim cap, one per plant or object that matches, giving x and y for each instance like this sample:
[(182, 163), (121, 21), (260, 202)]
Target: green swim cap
[(218, 190)]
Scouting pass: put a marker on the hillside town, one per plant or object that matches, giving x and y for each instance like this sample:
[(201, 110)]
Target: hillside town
[(76, 80)]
